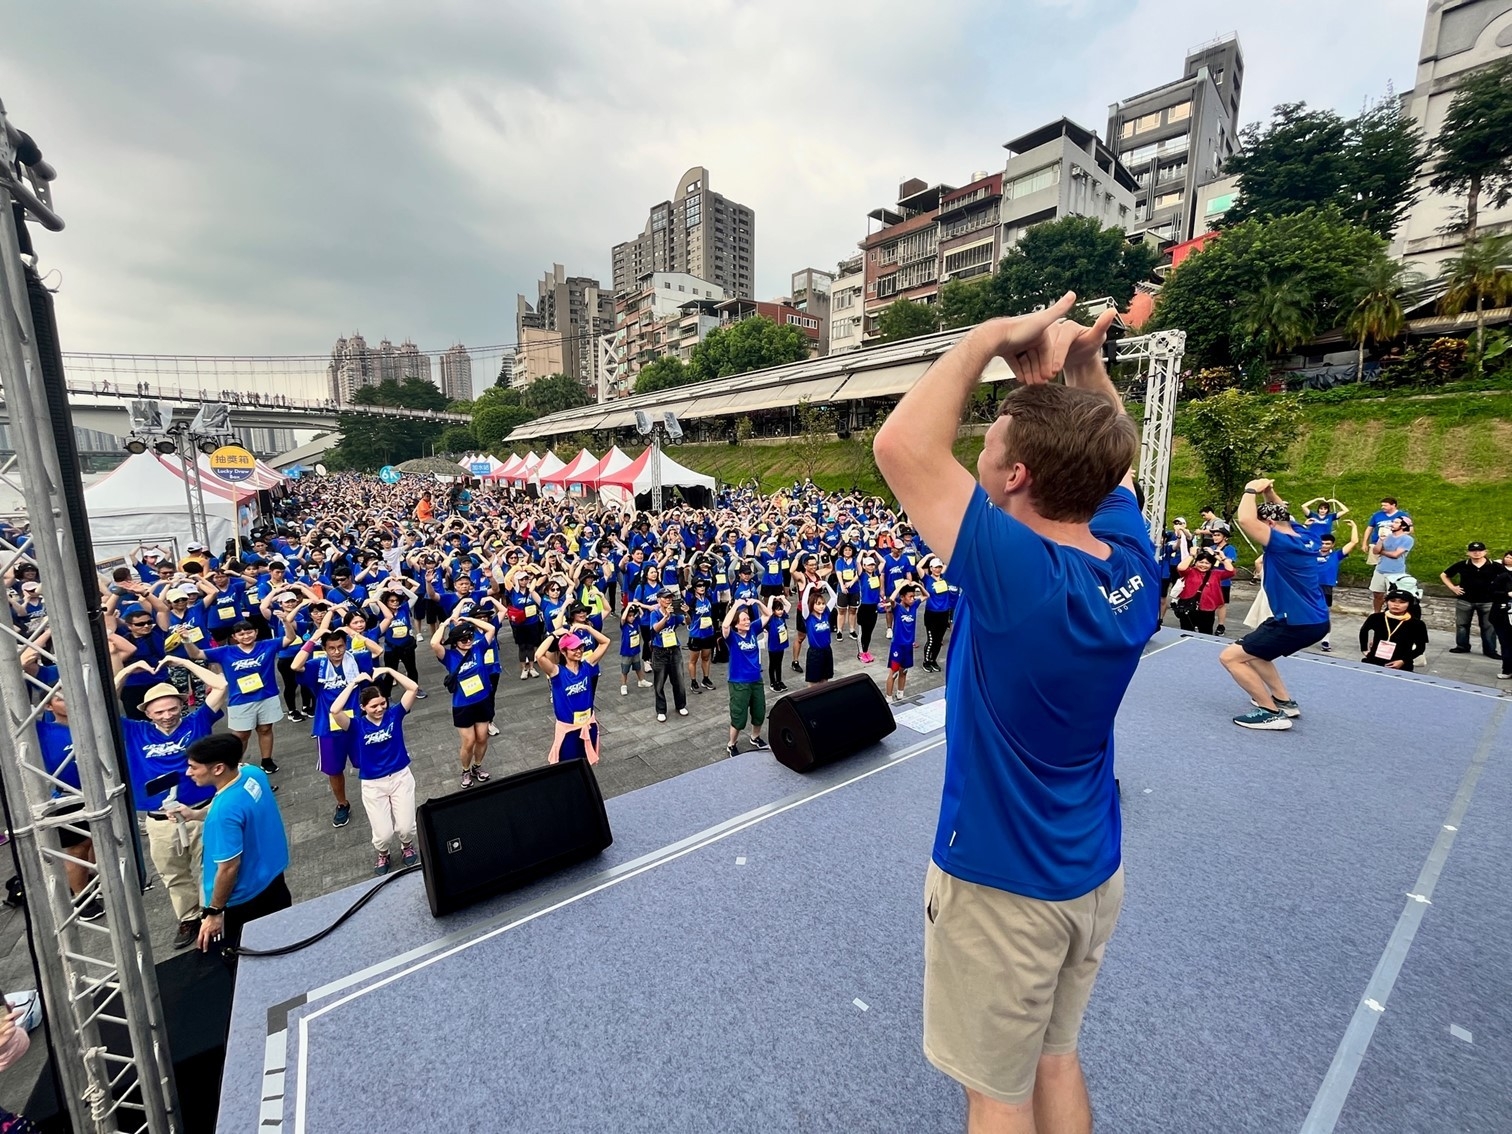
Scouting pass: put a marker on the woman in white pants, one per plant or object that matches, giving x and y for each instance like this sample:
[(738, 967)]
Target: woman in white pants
[(383, 762)]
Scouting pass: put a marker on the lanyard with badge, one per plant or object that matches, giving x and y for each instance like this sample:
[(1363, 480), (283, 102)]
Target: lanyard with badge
[(1385, 648)]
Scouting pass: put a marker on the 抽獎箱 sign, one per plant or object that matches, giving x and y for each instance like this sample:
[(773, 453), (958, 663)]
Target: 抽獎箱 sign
[(232, 462)]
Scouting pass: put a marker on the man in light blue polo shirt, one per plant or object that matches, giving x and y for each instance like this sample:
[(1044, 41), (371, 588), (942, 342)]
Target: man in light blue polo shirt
[(245, 849), (1060, 592)]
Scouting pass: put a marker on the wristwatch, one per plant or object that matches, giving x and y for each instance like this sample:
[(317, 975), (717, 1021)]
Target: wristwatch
[(213, 911), (1252, 491)]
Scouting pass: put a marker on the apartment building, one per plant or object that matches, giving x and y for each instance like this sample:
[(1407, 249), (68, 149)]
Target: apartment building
[(698, 232), (901, 259), (810, 293), (649, 322), (1177, 136), (559, 333), (1063, 169), (734, 310), (354, 365), (456, 373), (847, 306), (1459, 37)]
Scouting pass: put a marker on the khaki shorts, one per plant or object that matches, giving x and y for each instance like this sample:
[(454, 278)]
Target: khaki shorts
[(1007, 978)]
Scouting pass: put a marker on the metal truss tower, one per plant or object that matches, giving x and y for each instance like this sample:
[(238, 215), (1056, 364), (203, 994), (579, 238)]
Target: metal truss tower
[(98, 985), (1159, 356)]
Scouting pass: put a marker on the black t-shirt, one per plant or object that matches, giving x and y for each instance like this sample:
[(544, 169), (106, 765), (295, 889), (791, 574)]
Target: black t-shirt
[(1479, 582)]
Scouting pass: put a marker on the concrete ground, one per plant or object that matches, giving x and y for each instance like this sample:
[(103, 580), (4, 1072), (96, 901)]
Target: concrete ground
[(636, 751)]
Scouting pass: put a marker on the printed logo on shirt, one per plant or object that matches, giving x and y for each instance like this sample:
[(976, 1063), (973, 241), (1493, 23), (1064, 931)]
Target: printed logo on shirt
[(379, 736), (164, 748), (252, 788), (1119, 598), (576, 687), (247, 663)]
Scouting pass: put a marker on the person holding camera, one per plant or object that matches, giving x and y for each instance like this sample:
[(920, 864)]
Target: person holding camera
[(666, 654), (571, 667), (1175, 549), (1202, 575)]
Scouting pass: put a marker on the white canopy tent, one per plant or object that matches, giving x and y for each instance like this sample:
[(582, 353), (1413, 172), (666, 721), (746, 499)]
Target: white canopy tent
[(640, 476), (143, 500)]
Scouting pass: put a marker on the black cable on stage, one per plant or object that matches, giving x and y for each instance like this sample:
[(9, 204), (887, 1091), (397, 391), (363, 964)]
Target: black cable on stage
[(282, 950)]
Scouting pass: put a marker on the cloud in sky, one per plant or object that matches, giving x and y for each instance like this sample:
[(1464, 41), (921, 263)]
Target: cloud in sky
[(260, 177)]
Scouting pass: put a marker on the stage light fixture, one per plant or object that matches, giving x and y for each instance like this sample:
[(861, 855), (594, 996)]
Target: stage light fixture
[(136, 445), (208, 446), (165, 447)]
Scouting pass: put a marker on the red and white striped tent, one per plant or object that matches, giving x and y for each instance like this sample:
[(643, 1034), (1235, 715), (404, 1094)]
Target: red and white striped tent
[(590, 478), (622, 487), (555, 484), (511, 464)]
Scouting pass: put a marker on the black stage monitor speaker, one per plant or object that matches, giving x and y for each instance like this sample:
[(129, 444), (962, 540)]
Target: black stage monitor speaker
[(825, 723), (509, 833)]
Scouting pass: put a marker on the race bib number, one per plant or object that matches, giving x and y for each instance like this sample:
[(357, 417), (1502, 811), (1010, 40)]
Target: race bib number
[(782, 635), (488, 657), (225, 613), (190, 633), (1385, 649), (471, 686), (398, 631), (721, 580), (847, 577), (582, 716), (250, 683), (530, 610), (940, 586), (668, 639), (705, 622)]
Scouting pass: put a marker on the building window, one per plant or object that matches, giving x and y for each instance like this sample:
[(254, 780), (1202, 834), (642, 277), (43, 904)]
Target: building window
[(1140, 155), (960, 263), (1179, 113), (1167, 200), (1146, 122), (1127, 131), (1032, 182), (1220, 205)]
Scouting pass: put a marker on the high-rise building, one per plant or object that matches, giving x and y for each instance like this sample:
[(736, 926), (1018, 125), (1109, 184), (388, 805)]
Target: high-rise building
[(456, 374), (811, 295), (1459, 36), (354, 365), (1177, 136), (698, 231), (1060, 170), (657, 317), (559, 333)]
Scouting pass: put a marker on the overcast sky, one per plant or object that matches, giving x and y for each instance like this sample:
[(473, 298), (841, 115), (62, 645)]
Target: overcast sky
[(258, 177)]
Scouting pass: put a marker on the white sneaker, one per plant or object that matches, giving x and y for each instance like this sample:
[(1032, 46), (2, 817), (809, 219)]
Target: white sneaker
[(624, 691), (897, 698), (661, 717), (525, 676), (682, 712), (646, 667), (534, 672), (643, 684), (889, 632), (493, 730)]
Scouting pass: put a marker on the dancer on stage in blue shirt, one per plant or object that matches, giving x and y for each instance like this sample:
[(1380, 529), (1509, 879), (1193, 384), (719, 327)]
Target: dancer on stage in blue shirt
[(900, 654), (1059, 594), (1299, 616), (572, 669), (383, 761), (742, 630)]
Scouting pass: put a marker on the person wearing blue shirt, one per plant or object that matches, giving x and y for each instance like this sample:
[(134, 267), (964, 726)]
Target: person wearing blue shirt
[(250, 666), (383, 760), (819, 661), (246, 850), (1052, 555), (172, 816), (1299, 616), (1329, 558), (742, 630), (701, 634), (461, 644), (56, 741), (397, 626), (939, 605), (869, 594), (571, 666), (660, 627), (1322, 514), (900, 653), (1390, 551), (776, 643)]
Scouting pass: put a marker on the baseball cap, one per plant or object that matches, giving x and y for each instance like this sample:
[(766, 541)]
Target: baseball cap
[(198, 547), (1476, 545), (31, 586), (570, 642), (1181, 519)]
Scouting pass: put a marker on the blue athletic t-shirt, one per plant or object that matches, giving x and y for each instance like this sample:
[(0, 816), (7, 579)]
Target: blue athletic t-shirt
[(1328, 567), (243, 821), (816, 628), (905, 624), (249, 673), (151, 753), (1046, 641), (1291, 578), (471, 672), (379, 749), (745, 654), (572, 693), (57, 746)]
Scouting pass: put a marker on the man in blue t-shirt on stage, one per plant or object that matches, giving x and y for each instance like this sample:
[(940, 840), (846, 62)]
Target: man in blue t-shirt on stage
[(1060, 592), (1299, 614)]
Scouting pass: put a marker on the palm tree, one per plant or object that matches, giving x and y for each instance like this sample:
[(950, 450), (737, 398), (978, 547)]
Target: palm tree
[(1479, 276), (1377, 315), (1277, 316)]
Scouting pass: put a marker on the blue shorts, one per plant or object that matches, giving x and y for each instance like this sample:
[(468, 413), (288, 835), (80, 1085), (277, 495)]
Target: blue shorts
[(1273, 639), (900, 657), (334, 752), (572, 744)]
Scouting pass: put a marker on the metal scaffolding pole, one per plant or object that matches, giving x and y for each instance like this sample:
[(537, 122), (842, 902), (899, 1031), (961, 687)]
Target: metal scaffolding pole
[(98, 985), (1163, 351)]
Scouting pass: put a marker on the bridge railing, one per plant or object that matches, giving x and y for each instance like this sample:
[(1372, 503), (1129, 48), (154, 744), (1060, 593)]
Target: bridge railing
[(250, 399)]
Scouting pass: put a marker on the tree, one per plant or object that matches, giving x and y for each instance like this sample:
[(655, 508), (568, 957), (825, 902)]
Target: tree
[(456, 439), (1302, 159), (369, 442), (1318, 249), (1473, 149), (1378, 315), (554, 393), (1071, 254), (1274, 318), (1239, 436), (751, 344), (816, 426), (905, 319), (965, 303), (492, 423), (867, 474), (744, 428), (663, 373), (1480, 276), (506, 371)]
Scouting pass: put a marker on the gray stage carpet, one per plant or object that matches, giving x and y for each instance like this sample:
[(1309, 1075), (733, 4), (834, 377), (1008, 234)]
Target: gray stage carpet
[(747, 957)]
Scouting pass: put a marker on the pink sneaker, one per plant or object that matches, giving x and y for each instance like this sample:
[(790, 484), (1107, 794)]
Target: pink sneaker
[(866, 658)]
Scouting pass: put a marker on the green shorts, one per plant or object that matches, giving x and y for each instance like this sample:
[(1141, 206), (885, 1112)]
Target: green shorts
[(747, 697)]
